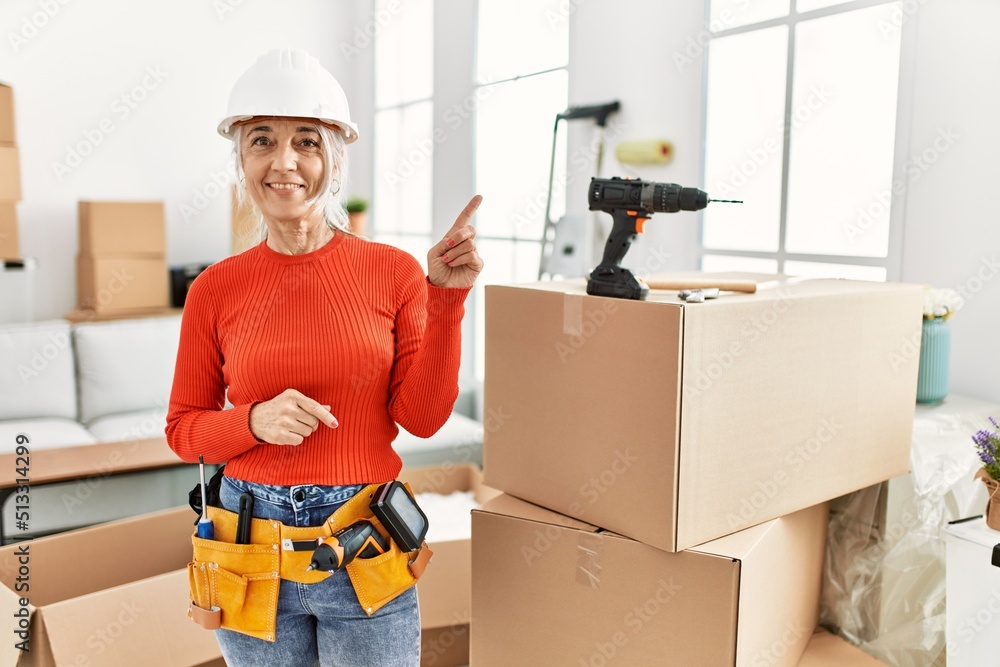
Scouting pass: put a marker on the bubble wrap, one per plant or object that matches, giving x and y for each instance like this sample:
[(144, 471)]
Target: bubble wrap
[(884, 577)]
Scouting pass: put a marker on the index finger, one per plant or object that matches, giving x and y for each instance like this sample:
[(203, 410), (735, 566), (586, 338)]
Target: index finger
[(317, 410), (465, 217)]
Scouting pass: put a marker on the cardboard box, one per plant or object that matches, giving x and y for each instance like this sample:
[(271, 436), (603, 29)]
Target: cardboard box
[(113, 594), (87, 609), (245, 229), (445, 589), (676, 423), (550, 590), (10, 173), (826, 650), (10, 247), (121, 284), (7, 134), (135, 229)]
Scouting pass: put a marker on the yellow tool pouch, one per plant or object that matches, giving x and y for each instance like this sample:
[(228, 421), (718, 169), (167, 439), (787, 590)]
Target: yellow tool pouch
[(235, 586)]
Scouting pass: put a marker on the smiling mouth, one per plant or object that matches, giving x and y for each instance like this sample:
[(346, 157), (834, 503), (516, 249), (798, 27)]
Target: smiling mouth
[(285, 186)]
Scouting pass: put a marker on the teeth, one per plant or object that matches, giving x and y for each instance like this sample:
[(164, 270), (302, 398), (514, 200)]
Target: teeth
[(285, 186)]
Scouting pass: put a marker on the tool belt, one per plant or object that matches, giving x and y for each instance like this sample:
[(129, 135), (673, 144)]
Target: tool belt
[(235, 586)]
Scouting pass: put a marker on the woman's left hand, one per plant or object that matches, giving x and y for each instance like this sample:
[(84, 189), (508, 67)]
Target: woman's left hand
[(453, 261)]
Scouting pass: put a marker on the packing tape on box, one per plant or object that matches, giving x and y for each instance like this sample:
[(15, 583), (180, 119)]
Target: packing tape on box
[(573, 314), (588, 560)]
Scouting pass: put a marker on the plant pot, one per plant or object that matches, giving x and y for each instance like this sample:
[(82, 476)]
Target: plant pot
[(935, 356), (993, 504), (358, 222)]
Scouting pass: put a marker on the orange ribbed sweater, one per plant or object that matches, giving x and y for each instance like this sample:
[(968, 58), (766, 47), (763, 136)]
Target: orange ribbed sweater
[(354, 325)]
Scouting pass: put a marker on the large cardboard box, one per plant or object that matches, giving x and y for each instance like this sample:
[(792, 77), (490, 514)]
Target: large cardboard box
[(7, 134), (675, 423), (550, 590), (10, 173), (445, 589), (10, 247), (122, 228), (826, 650), (119, 284), (113, 594)]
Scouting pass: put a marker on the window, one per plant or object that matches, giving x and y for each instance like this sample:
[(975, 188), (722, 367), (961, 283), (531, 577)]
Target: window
[(520, 91), (801, 124), (404, 88)]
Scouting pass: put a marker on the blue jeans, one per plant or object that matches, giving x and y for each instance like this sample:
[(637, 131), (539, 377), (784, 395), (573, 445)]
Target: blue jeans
[(323, 623)]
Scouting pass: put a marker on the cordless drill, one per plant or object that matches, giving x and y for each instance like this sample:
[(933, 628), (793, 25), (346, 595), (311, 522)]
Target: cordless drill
[(360, 539), (631, 202)]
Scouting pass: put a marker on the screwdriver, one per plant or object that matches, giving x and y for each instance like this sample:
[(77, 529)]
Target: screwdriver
[(360, 539), (206, 530)]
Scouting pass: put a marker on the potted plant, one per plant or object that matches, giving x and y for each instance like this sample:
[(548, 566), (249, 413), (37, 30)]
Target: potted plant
[(935, 344), (987, 445), (357, 214)]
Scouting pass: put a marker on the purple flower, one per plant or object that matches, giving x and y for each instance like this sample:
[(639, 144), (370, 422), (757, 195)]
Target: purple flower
[(986, 443)]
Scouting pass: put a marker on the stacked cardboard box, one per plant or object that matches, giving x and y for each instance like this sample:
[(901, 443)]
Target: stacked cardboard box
[(10, 177), (671, 463), (117, 593), (122, 264)]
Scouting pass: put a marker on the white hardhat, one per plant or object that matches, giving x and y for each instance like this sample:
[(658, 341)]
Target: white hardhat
[(289, 82)]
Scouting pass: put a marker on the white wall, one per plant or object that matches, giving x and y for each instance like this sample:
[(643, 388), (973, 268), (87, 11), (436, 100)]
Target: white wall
[(951, 236), (69, 75), (629, 50)]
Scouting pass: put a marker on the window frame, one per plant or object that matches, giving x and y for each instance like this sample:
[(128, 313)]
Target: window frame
[(892, 262)]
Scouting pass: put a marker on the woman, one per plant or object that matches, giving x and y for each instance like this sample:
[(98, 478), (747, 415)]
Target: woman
[(323, 342)]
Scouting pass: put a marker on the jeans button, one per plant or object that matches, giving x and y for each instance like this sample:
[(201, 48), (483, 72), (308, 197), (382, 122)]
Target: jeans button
[(300, 495)]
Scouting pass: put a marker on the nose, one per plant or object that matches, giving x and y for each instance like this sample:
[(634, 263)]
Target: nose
[(284, 158)]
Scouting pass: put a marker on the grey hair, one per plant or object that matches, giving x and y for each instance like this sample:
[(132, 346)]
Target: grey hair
[(331, 195)]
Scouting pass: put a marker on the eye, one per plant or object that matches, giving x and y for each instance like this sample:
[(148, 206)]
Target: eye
[(310, 143), (259, 140)]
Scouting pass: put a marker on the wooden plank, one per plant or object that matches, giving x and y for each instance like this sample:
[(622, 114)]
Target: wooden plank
[(68, 463)]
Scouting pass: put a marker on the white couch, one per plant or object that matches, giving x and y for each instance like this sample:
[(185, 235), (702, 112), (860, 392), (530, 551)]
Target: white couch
[(68, 385)]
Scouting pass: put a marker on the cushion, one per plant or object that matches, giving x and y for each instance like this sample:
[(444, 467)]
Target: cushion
[(460, 440), (142, 425), (125, 365), (37, 373), (43, 434)]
